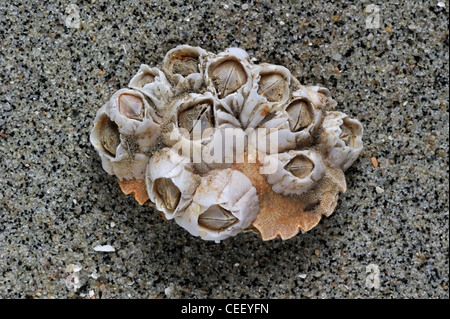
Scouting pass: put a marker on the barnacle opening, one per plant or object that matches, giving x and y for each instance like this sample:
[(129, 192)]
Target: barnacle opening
[(184, 62), (301, 114), (168, 194), (324, 98), (109, 136), (228, 77), (145, 76), (131, 106), (146, 79), (216, 218), (349, 131), (196, 119), (300, 166), (185, 66), (273, 86)]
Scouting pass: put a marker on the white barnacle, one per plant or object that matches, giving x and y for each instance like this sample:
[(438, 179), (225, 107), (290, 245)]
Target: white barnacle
[(197, 118), (269, 92), (134, 117), (192, 124), (228, 76), (274, 82), (342, 137), (183, 66), (171, 182), (301, 114), (224, 204), (296, 171), (319, 96), (153, 84), (124, 120), (304, 116)]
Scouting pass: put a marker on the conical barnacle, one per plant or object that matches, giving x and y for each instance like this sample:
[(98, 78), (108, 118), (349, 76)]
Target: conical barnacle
[(293, 172), (319, 96), (274, 82), (153, 84), (134, 117), (300, 113), (197, 118), (109, 136), (143, 77), (343, 138), (269, 92), (229, 77), (131, 106), (304, 115), (170, 182), (183, 66), (222, 145), (224, 204), (122, 155), (294, 123), (192, 122)]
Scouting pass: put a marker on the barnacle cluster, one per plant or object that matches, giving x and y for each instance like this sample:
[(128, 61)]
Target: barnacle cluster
[(223, 145)]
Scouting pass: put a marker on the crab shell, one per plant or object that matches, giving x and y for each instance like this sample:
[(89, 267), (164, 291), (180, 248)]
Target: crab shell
[(284, 216), (222, 145), (137, 187)]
